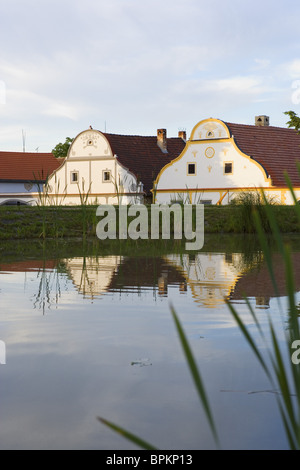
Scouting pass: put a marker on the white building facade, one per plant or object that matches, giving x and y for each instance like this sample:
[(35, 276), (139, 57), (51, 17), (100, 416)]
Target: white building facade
[(213, 169), (92, 174)]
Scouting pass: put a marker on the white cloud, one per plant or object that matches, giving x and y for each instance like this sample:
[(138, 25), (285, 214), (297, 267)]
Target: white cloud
[(293, 69), (133, 63), (262, 64), (61, 110), (236, 85)]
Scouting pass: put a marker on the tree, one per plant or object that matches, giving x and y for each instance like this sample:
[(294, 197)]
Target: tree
[(61, 150), (294, 120)]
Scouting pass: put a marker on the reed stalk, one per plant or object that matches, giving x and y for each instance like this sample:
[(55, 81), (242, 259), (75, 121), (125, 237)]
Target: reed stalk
[(276, 360)]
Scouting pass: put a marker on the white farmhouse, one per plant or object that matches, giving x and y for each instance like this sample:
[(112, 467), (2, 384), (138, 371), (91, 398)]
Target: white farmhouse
[(221, 160), (103, 168)]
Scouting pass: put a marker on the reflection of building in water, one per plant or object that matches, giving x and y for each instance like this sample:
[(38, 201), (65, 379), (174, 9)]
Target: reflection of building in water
[(47, 275), (263, 302), (92, 275), (163, 283), (28, 265), (257, 282), (142, 273), (211, 276)]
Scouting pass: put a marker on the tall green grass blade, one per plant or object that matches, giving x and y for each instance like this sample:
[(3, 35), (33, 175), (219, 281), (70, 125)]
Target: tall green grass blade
[(282, 379), (255, 318), (290, 186), (289, 433), (293, 331), (273, 223), (128, 435), (195, 375), (249, 339), (266, 250), (290, 286)]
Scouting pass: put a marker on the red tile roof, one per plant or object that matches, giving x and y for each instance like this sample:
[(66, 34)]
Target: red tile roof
[(276, 148), (28, 265), (142, 156), (24, 166), (257, 282)]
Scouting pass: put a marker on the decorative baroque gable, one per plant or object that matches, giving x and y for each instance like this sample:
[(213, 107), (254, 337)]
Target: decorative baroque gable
[(210, 129)]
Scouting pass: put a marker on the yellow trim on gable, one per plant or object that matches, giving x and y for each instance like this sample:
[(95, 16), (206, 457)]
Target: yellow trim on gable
[(170, 164), (266, 178), (209, 120), (223, 140), (233, 189), (283, 196)]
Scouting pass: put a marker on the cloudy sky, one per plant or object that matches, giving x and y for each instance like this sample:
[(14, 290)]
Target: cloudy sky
[(132, 66)]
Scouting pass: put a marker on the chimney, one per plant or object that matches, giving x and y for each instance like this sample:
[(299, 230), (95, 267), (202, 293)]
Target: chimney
[(262, 121), (162, 140), (182, 135)]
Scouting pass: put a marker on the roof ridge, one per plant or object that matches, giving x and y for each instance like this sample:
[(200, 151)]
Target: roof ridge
[(106, 134), (25, 153), (258, 127)]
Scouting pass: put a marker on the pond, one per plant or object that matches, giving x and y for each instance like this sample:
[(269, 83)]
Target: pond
[(91, 335)]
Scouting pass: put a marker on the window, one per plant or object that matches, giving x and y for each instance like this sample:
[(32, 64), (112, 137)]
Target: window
[(106, 176), (74, 177), (228, 168), (191, 168)]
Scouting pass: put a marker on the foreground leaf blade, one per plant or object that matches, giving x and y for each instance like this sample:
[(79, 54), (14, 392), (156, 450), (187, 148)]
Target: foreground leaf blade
[(249, 339), (131, 437), (195, 375)]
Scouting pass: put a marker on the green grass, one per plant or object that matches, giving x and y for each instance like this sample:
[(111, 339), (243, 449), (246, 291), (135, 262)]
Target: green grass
[(22, 222)]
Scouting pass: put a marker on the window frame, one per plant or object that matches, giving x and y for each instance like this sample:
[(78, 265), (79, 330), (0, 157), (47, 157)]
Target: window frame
[(104, 180), (72, 173), (188, 169), (231, 168)]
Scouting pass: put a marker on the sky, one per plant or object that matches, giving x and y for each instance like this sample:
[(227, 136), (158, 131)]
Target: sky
[(133, 66)]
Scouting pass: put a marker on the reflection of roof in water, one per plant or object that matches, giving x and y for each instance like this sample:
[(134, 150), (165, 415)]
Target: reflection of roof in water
[(143, 273), (91, 275), (28, 265), (257, 282), (210, 276)]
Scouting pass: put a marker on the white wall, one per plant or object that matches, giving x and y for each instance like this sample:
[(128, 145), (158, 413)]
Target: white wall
[(90, 157), (25, 192), (209, 149)]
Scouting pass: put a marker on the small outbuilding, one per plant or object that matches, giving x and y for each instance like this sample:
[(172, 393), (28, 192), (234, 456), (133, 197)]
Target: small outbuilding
[(23, 174)]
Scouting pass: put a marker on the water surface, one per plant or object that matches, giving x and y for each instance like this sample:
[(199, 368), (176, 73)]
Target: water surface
[(89, 335)]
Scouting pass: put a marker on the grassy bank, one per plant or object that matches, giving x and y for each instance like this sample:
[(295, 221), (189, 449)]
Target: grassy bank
[(21, 222)]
